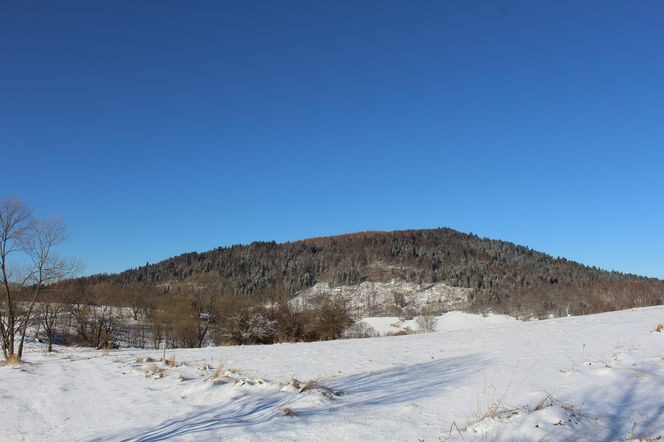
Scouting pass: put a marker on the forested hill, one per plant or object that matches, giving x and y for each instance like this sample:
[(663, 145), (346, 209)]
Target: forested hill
[(496, 270)]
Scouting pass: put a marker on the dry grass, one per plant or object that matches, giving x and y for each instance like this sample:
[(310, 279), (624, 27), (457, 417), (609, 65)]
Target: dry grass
[(544, 403), (13, 360), (315, 385), (155, 370), (492, 410), (311, 385), (659, 328), (223, 375), (217, 373), (171, 361), (289, 412), (550, 401)]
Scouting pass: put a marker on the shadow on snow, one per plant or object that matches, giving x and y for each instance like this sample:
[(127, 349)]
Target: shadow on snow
[(374, 389)]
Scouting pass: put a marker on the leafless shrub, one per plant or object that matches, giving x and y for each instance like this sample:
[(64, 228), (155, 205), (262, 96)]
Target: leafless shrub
[(51, 318), (402, 332), (426, 323), (248, 328), (360, 330), (409, 313), (329, 318)]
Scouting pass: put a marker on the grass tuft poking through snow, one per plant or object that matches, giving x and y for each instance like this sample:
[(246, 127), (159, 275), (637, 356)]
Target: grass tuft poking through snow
[(155, 371), (170, 362), (13, 360)]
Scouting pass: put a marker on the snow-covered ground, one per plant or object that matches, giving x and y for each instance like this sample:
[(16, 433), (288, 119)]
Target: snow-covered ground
[(597, 377), (451, 321)]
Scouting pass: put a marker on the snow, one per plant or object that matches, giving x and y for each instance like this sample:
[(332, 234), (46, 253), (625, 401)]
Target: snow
[(372, 297), (451, 321), (598, 377), (464, 321), (385, 325)]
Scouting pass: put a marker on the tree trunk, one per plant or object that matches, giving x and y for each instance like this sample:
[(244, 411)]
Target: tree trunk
[(26, 321)]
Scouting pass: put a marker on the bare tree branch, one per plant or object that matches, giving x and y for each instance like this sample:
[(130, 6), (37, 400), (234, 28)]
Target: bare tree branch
[(36, 240)]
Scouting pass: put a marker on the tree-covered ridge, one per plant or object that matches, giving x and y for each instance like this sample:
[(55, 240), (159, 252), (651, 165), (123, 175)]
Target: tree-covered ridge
[(421, 256)]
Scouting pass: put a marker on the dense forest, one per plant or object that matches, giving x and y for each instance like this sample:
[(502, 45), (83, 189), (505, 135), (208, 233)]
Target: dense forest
[(503, 276)]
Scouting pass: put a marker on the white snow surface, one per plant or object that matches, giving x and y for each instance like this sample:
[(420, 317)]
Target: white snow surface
[(595, 378), (451, 321)]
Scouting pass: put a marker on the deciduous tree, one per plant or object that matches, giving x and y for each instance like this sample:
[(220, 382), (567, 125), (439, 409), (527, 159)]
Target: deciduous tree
[(27, 264)]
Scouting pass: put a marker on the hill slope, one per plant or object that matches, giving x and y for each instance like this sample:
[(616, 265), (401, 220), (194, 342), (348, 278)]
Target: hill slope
[(497, 274)]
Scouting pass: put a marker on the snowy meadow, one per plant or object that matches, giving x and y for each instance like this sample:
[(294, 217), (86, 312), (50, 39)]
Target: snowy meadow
[(597, 377)]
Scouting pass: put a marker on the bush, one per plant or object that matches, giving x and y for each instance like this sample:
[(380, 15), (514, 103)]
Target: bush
[(248, 328), (360, 330), (329, 319), (426, 323), (402, 332)]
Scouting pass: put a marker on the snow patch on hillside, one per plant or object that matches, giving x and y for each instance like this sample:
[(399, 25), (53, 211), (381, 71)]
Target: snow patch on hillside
[(386, 298)]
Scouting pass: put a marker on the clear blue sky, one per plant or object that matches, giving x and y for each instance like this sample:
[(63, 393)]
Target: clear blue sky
[(157, 127)]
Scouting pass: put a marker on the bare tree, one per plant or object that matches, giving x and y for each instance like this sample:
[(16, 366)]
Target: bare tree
[(202, 292), (104, 320), (27, 264), (14, 221), (50, 315)]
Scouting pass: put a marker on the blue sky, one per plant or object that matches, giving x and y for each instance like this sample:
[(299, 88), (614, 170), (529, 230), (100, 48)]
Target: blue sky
[(157, 128)]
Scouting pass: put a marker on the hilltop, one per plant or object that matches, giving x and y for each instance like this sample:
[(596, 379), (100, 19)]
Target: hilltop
[(492, 274)]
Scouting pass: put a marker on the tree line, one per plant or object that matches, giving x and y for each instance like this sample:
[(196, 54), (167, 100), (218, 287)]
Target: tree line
[(502, 276), (190, 313), (240, 294)]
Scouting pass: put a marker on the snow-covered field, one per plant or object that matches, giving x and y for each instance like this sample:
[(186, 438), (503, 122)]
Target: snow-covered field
[(597, 377), (451, 321)]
